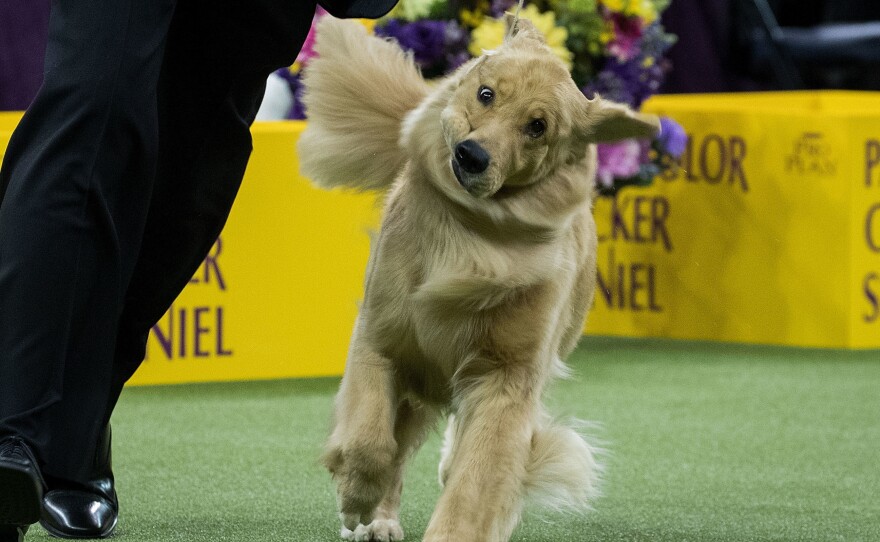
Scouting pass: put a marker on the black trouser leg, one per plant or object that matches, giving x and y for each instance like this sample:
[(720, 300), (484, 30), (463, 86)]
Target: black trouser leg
[(76, 183), (212, 85), (92, 251)]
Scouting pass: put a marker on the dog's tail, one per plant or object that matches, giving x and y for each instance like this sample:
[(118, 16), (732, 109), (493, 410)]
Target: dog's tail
[(563, 473), (357, 92)]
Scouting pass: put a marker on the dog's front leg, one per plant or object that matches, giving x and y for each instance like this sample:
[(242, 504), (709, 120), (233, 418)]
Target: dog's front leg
[(482, 497), (361, 451), (410, 429)]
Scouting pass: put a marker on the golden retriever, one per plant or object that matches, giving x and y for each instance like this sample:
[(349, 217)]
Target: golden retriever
[(479, 279)]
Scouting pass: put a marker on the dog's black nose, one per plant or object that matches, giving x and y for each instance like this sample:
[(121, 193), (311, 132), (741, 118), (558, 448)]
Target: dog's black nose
[(471, 156)]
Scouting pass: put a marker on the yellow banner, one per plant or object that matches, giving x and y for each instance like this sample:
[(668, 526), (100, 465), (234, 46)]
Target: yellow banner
[(277, 295), (767, 231)]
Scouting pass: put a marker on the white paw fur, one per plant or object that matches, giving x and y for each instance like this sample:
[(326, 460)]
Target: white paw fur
[(379, 530)]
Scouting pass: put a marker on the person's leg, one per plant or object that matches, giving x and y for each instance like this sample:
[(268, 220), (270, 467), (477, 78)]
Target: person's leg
[(217, 62), (75, 186), (212, 86), (76, 182), (213, 79)]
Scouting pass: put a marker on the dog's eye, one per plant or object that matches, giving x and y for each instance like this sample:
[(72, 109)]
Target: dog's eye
[(485, 95), (536, 128)]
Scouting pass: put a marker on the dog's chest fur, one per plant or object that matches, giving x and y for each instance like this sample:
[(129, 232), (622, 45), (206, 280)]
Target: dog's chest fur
[(438, 294)]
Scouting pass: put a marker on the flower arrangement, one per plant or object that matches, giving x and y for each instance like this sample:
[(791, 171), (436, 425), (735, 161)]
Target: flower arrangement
[(613, 47)]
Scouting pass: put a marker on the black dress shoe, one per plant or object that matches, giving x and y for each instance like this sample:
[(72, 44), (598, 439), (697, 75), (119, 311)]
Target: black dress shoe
[(21, 489), (75, 513), (87, 510)]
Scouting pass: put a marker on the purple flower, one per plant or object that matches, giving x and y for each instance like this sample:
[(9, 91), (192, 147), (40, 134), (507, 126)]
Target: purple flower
[(298, 109), (627, 37), (655, 42), (632, 81), (455, 60), (672, 138), (618, 160), (307, 51), (626, 82), (426, 39), (294, 81), (499, 7), (457, 40), (438, 47)]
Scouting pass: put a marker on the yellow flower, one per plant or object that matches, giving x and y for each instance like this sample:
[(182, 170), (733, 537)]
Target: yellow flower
[(607, 34), (470, 18), (489, 35), (411, 10), (643, 9), (473, 18)]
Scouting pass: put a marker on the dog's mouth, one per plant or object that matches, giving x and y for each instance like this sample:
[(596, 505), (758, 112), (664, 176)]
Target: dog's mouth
[(475, 185), (456, 169)]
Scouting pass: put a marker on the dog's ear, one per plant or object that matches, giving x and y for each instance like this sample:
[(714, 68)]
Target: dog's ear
[(603, 120), (523, 31)]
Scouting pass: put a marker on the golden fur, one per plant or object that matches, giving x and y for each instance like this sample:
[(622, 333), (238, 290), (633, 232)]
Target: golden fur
[(478, 282)]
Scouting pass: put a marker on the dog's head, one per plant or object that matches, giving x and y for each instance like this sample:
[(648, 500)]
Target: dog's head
[(516, 115)]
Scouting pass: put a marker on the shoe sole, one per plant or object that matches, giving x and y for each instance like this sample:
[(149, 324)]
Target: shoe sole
[(21, 494), (90, 536)]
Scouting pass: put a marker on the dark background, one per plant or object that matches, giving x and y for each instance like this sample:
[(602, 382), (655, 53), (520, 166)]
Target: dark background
[(720, 47)]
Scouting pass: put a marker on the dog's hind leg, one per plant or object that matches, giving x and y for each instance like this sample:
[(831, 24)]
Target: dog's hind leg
[(410, 429), (487, 465)]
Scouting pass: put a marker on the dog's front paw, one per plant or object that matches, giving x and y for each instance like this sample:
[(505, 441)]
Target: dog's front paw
[(379, 530), (363, 474)]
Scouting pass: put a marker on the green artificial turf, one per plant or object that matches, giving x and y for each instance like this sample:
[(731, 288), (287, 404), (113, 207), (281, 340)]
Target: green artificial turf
[(706, 443)]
